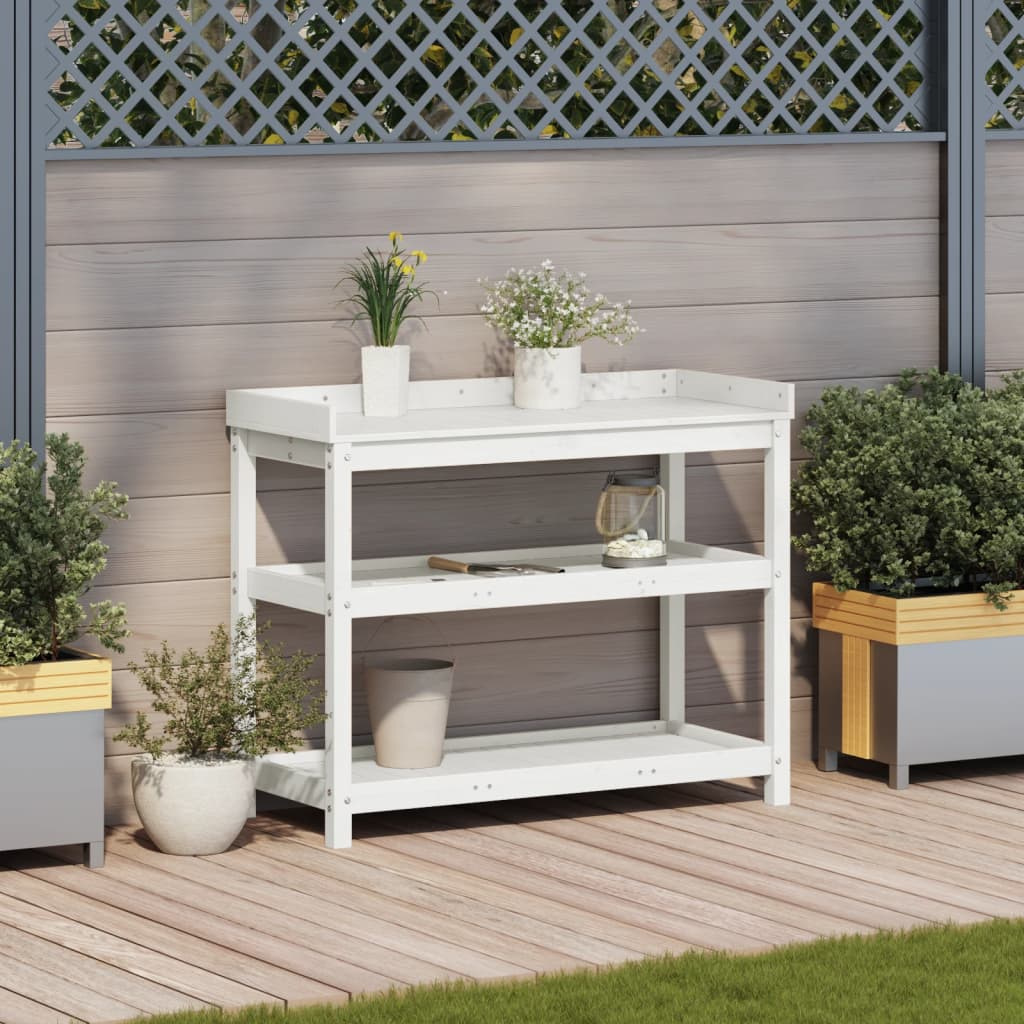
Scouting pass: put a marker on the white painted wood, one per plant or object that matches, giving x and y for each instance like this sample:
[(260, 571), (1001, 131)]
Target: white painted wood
[(338, 646), (408, 586), (286, 449), (672, 612), (450, 409), (305, 415), (581, 442), (516, 766), (717, 387), (776, 616), (298, 585), (243, 523), (400, 586)]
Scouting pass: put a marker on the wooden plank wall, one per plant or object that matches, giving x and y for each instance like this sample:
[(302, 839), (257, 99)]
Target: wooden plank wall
[(1004, 256), (172, 280)]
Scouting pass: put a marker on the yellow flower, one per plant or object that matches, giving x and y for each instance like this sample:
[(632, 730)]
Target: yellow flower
[(395, 236), (407, 268), (421, 256), (397, 261)]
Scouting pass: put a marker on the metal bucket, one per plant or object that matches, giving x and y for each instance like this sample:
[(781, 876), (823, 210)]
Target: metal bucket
[(408, 700)]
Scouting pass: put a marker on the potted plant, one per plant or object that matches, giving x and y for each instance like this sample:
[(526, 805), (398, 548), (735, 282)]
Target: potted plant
[(385, 287), (239, 699), (548, 315), (914, 499), (52, 697)]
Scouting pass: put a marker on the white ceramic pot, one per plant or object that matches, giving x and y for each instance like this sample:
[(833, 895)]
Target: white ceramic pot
[(192, 807), (548, 378), (385, 380)]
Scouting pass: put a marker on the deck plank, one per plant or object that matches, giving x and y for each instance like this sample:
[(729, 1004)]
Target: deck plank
[(928, 857), (407, 953), (253, 929), (395, 898), (807, 846), (699, 922), (63, 994), (779, 899), (856, 900), (916, 815), (197, 986), (573, 841), (150, 997), (500, 890), (245, 980), (590, 936), (15, 1007)]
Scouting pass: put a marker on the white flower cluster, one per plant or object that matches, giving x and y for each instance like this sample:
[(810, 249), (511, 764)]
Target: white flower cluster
[(542, 308)]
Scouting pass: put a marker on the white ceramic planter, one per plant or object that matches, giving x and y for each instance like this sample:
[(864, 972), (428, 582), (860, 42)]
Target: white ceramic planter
[(193, 808), (548, 378), (385, 380)]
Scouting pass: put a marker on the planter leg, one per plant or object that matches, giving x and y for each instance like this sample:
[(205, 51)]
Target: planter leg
[(92, 854), (828, 760), (899, 776)]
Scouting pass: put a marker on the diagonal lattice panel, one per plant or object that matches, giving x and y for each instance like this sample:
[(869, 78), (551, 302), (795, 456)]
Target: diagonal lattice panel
[(143, 73), (1004, 65)]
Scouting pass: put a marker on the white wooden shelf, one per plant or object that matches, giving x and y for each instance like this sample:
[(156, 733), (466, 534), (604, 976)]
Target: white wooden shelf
[(473, 422), (527, 764), (405, 586)]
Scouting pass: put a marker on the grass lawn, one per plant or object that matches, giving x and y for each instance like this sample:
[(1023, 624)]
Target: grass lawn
[(960, 975)]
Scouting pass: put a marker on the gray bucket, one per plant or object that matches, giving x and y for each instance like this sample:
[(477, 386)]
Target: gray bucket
[(408, 700)]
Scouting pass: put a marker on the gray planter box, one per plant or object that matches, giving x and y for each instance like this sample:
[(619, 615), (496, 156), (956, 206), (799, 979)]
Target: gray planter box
[(947, 701), (51, 782)]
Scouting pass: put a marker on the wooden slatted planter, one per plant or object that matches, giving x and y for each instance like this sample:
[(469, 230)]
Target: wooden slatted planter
[(917, 680), (80, 683), (51, 743)]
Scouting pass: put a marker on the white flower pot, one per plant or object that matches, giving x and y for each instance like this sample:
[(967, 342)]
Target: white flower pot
[(192, 807), (408, 702), (548, 378), (385, 380)]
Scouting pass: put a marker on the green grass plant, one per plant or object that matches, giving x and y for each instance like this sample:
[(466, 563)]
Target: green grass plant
[(972, 975)]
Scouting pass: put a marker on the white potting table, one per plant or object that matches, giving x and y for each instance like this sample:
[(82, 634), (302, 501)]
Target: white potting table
[(473, 422)]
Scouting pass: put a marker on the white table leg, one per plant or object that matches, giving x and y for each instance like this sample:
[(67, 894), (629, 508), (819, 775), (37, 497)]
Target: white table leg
[(243, 523), (243, 535), (777, 629), (338, 646), (673, 609)]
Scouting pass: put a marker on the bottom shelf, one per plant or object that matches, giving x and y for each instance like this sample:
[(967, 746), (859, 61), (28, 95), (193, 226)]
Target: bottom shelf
[(516, 765)]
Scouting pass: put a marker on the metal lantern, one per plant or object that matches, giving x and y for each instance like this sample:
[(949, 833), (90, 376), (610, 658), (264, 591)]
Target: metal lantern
[(631, 520)]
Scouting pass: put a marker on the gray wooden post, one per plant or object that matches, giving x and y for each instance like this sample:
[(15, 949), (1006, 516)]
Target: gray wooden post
[(963, 191), (22, 229)]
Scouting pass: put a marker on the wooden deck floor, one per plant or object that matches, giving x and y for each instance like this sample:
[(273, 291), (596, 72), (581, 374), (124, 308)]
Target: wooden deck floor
[(503, 890)]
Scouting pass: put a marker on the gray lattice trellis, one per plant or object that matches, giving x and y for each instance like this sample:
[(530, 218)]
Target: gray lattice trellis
[(1004, 65), (145, 73)]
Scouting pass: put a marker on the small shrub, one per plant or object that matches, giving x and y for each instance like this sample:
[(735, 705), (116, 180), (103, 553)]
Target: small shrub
[(50, 552), (920, 483), (217, 707)]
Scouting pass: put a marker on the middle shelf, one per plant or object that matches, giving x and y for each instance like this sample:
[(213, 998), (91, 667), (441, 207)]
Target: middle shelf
[(407, 586)]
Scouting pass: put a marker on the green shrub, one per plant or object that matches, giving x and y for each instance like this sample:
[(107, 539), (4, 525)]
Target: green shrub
[(241, 697), (50, 552), (918, 484)]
